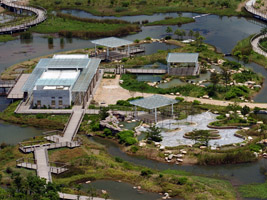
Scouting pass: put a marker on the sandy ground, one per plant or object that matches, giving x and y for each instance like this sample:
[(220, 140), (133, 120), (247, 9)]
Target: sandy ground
[(110, 91), (240, 6)]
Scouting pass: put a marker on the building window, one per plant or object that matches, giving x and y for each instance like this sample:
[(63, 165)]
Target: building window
[(38, 102), (60, 103), (53, 103), (53, 97)]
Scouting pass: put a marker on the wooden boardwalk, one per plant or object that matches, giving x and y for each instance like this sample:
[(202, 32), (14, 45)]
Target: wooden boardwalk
[(255, 44), (39, 12), (54, 170), (16, 90), (249, 6), (135, 71), (43, 168)]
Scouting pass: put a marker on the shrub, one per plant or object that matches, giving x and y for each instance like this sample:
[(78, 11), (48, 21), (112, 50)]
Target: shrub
[(148, 38), (255, 147), (107, 132), (77, 3), (146, 172), (196, 102), (120, 9), (57, 2), (126, 137), (9, 170), (123, 103), (136, 41), (95, 126), (179, 180), (118, 159), (125, 4), (124, 59), (168, 37), (134, 149), (181, 99)]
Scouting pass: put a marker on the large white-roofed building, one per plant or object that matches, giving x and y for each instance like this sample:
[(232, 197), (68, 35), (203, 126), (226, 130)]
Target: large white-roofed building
[(62, 80), (183, 64)]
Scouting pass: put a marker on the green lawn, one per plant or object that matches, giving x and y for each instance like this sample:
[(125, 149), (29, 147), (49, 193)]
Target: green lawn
[(172, 21), (245, 48), (254, 191), (5, 38)]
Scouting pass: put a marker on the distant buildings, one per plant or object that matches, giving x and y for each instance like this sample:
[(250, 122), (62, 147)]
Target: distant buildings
[(183, 64), (61, 81)]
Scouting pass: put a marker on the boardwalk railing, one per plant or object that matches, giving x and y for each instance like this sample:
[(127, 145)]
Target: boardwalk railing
[(39, 12), (249, 7), (135, 71), (78, 125), (256, 45)]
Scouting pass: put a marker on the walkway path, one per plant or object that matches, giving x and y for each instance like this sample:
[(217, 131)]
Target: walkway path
[(43, 168), (39, 12), (250, 8), (255, 44)]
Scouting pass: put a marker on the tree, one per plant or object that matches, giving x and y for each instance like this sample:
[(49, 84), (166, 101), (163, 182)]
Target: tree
[(245, 110), (214, 79), (238, 54), (201, 136), (103, 113), (191, 33), (169, 30), (226, 76), (153, 134), (178, 33), (196, 34), (199, 40)]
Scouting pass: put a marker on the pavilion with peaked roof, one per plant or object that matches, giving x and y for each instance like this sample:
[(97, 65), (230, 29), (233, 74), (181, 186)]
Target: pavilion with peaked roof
[(114, 43), (153, 103), (183, 64)]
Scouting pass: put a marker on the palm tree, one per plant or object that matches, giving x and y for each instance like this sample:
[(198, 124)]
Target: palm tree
[(169, 30), (191, 33)]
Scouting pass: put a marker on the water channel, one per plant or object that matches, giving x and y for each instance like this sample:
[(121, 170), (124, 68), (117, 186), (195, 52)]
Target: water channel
[(222, 32)]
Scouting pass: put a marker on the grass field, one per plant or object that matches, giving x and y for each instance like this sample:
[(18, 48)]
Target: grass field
[(254, 191), (137, 7), (172, 21), (83, 29), (5, 38)]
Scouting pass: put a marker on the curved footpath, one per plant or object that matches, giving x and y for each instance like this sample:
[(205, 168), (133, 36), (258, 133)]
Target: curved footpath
[(255, 40), (255, 45), (39, 12)]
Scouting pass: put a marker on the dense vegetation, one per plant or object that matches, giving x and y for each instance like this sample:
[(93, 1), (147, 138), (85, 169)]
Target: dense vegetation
[(172, 21), (243, 51), (136, 7), (84, 28)]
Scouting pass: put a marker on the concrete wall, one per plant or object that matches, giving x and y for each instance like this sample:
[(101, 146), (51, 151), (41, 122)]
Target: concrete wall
[(45, 96)]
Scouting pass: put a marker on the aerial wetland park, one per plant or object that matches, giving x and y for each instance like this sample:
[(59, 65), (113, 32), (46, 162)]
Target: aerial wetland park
[(133, 100)]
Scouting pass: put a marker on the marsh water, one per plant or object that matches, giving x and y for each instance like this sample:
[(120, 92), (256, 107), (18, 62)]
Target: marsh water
[(222, 32)]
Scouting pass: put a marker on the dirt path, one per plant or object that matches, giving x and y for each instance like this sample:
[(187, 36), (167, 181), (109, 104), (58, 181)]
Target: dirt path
[(240, 6), (110, 91)]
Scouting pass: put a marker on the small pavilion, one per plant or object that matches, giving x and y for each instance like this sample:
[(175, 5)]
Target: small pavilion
[(183, 64), (112, 42), (153, 103)]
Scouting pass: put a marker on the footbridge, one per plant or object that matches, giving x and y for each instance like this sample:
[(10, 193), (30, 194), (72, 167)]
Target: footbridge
[(135, 71), (256, 45), (15, 7), (41, 162)]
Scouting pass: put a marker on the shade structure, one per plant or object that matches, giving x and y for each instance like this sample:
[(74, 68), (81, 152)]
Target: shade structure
[(112, 42), (152, 102), (182, 58)]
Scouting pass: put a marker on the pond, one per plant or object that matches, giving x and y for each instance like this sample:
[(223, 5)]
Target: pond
[(13, 134), (138, 18), (120, 190), (237, 172)]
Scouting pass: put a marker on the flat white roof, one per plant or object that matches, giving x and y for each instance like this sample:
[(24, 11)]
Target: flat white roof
[(70, 56), (60, 74)]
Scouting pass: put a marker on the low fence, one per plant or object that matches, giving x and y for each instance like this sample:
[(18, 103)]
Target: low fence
[(258, 48)]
